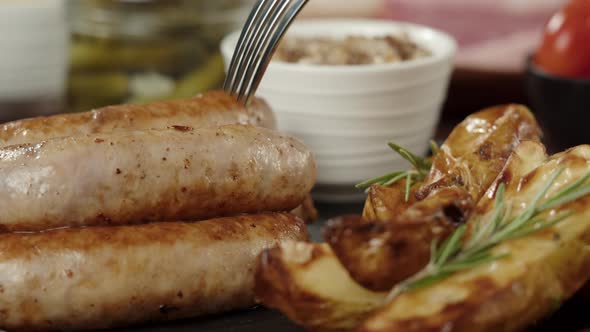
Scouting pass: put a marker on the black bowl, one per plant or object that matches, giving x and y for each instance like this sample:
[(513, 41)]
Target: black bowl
[(562, 106)]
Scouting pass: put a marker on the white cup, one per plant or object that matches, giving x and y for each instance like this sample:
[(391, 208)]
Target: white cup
[(347, 114)]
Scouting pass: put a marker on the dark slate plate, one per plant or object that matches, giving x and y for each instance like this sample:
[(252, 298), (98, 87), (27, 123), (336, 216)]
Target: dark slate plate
[(572, 317)]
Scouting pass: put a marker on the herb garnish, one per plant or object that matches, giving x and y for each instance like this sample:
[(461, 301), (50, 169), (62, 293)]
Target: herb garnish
[(456, 254), (421, 169)]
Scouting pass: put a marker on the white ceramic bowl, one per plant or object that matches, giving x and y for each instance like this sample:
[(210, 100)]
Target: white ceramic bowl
[(334, 173), (359, 146), (347, 114)]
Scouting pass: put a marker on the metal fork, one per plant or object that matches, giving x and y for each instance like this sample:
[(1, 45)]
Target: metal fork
[(266, 25)]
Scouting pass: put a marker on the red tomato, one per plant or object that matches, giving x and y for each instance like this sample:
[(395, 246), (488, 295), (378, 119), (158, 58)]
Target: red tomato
[(565, 50)]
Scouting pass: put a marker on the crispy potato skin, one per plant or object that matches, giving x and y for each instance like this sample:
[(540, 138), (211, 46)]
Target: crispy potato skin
[(380, 254), (526, 157), (543, 269), (152, 175), (213, 108), (385, 203), (466, 165), (101, 277), (307, 283), (472, 131), (477, 149), (354, 240)]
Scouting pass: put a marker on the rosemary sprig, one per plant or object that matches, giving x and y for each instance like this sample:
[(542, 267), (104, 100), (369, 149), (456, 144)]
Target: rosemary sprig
[(458, 254), (434, 147), (421, 167)]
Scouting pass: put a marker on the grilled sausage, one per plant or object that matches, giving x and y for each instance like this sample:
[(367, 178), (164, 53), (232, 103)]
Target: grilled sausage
[(143, 176), (100, 277), (208, 109)]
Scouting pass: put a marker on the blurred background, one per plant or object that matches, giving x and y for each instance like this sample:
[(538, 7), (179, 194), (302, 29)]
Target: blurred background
[(76, 55)]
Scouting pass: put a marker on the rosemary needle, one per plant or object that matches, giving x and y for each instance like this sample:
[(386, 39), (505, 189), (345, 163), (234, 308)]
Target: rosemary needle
[(421, 168), (455, 254)]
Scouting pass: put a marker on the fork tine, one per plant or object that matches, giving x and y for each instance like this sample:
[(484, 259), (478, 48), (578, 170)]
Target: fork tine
[(255, 44), (241, 58), (264, 28), (264, 60), (261, 44), (249, 43), (240, 46)]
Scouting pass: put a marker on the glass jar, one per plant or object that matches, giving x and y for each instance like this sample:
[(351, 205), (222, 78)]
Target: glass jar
[(135, 51)]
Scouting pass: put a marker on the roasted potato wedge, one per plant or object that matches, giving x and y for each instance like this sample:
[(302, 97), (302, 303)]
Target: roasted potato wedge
[(471, 157), (379, 254), (473, 130), (543, 269), (306, 282), (526, 157), (477, 149), (378, 269), (384, 203), (463, 169)]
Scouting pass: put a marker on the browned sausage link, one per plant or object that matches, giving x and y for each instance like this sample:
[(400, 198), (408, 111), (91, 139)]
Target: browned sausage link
[(260, 114), (213, 108), (379, 254), (307, 210), (143, 176), (100, 277)]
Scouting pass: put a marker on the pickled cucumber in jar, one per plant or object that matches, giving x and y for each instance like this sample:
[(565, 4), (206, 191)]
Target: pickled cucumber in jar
[(134, 51)]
